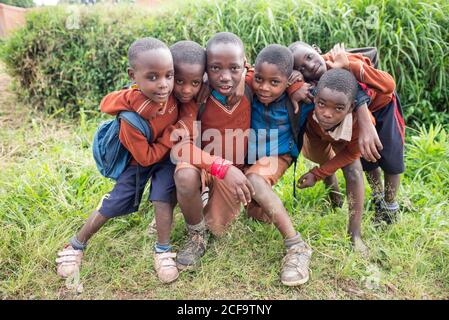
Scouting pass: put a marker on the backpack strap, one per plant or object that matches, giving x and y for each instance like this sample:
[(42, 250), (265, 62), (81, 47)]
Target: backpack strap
[(137, 122), (294, 120), (248, 94)]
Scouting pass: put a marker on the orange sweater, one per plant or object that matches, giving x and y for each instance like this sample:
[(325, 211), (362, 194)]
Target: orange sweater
[(346, 152), (133, 99)]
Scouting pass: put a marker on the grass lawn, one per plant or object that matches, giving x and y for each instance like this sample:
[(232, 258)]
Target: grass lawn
[(49, 185)]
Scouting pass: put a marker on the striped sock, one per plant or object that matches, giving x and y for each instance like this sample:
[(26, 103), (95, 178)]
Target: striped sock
[(161, 248)]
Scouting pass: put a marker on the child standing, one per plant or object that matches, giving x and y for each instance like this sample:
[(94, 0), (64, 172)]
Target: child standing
[(151, 68), (382, 145), (333, 128)]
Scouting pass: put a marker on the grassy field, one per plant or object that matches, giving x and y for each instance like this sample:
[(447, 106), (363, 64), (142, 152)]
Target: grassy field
[(49, 185)]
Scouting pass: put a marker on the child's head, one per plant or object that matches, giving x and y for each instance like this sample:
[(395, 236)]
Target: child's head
[(273, 67), (334, 99), (225, 62), (308, 61), (189, 60), (151, 68)]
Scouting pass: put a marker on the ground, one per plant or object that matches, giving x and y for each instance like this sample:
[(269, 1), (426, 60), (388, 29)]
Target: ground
[(49, 185)]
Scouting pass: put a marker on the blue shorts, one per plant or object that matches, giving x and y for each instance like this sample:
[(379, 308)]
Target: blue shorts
[(390, 127), (122, 199)]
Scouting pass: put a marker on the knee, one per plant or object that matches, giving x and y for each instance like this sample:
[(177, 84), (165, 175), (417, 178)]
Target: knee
[(353, 175), (187, 181), (259, 184)]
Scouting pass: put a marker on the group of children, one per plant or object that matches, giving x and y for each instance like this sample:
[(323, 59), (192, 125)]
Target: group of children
[(327, 107)]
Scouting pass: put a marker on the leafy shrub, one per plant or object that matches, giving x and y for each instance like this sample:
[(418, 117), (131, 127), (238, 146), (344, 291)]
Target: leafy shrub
[(71, 69)]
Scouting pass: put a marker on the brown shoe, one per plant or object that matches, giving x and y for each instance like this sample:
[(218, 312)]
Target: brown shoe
[(193, 250), (295, 265)]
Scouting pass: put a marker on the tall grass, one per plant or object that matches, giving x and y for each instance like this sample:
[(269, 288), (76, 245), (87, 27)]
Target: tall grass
[(75, 68)]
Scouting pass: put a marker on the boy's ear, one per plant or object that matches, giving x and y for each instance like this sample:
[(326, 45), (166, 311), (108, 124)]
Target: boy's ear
[(131, 74), (316, 48)]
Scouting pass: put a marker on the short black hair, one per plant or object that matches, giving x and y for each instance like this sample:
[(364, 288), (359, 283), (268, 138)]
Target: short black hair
[(225, 37), (297, 44), (340, 80), (142, 45), (278, 55), (188, 52)]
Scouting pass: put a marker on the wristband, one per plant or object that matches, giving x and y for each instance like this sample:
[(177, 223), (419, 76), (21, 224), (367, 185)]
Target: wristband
[(220, 167)]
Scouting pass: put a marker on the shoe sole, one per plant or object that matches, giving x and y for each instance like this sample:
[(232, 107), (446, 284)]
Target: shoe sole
[(184, 267), (295, 283)]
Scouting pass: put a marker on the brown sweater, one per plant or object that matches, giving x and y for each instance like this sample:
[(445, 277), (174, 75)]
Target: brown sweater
[(346, 152), (133, 99)]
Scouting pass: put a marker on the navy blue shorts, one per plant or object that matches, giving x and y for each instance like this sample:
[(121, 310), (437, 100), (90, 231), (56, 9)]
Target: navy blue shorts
[(390, 127), (121, 200)]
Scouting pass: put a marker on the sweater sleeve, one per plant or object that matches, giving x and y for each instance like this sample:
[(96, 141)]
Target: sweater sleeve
[(187, 151), (349, 154), (144, 153), (187, 116), (117, 101), (365, 72)]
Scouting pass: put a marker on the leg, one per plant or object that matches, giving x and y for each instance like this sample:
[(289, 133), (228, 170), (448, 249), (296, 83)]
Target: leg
[(355, 190), (272, 205), (262, 175), (392, 182), (188, 191), (164, 217), (95, 221), (331, 183), (121, 200), (375, 181)]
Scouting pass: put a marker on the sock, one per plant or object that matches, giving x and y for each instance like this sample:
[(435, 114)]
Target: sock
[(293, 240), (197, 227), (392, 206), (76, 244), (160, 248)]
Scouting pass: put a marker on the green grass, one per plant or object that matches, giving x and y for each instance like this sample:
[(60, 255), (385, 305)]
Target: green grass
[(64, 70), (49, 185)]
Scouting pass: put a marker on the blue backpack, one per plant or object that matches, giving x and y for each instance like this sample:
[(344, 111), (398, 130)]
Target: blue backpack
[(110, 155)]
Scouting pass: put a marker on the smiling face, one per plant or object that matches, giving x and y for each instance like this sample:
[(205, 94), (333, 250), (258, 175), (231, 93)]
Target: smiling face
[(269, 82), (153, 73), (309, 62), (188, 80), (331, 107), (225, 62)]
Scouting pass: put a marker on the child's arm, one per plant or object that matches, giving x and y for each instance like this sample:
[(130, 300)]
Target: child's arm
[(346, 156), (182, 129), (136, 143), (362, 69)]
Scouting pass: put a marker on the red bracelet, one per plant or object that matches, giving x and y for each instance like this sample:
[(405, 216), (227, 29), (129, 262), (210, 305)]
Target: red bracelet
[(220, 167)]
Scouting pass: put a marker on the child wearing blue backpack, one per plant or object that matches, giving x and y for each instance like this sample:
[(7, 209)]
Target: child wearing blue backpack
[(147, 114)]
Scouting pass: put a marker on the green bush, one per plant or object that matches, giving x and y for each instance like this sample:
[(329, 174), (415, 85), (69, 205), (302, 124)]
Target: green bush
[(64, 69), (19, 3)]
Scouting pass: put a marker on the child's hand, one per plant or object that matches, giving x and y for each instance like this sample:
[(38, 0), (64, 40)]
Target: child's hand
[(239, 92), (307, 180), (179, 134), (369, 142), (301, 95), (295, 76), (241, 187), (339, 57)]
